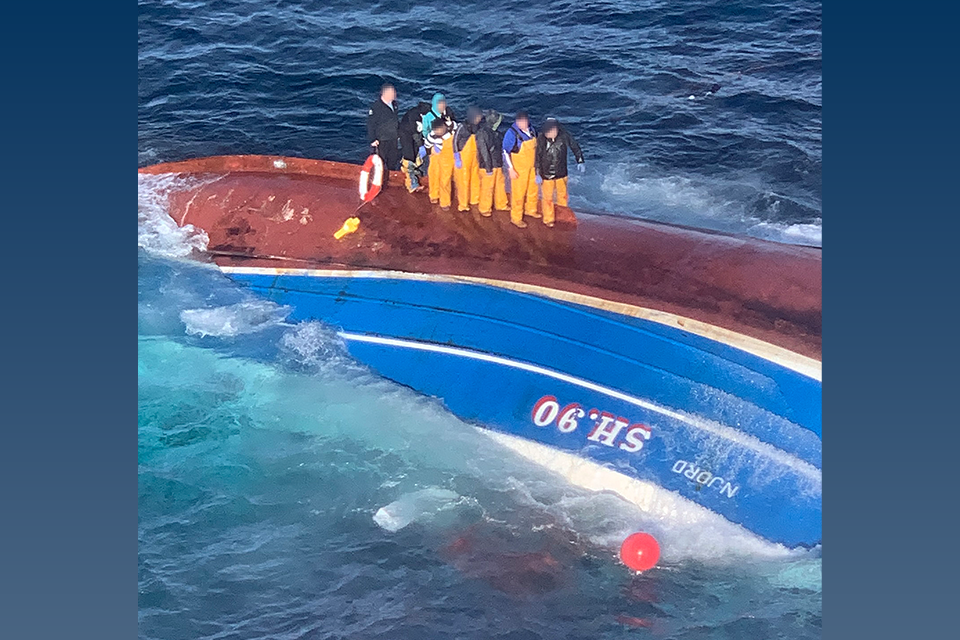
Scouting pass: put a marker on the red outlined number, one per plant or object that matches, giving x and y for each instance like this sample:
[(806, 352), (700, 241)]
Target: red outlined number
[(569, 416), (545, 411)]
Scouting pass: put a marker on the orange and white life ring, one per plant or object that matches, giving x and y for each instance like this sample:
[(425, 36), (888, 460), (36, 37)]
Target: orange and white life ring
[(369, 191)]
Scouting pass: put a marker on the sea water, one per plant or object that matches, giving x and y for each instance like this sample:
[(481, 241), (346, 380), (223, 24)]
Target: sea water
[(286, 491)]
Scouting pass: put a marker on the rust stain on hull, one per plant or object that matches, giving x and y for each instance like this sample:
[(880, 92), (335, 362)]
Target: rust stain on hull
[(271, 211)]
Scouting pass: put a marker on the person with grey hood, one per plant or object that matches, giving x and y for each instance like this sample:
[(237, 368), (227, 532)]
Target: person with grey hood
[(493, 191)]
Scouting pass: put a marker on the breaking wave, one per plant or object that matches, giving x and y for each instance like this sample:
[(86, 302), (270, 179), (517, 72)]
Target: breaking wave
[(732, 206), (157, 232), (244, 317)]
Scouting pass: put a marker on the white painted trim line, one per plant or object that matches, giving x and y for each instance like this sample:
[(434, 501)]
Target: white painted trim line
[(804, 365), (715, 429)]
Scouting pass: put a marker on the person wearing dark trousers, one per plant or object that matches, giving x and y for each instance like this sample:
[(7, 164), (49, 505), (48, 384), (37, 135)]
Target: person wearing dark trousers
[(383, 127), (411, 139)]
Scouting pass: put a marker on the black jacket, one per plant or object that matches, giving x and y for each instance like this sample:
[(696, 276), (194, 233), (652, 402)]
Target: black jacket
[(464, 131), (411, 138), (551, 159), (489, 147), (382, 123)]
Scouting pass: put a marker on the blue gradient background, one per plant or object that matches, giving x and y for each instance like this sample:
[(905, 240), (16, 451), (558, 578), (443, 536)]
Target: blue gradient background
[(886, 156)]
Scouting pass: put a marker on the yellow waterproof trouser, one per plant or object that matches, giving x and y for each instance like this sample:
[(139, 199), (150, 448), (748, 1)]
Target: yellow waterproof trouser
[(440, 174), (433, 177), (523, 190), (493, 191), (547, 188), (467, 177)]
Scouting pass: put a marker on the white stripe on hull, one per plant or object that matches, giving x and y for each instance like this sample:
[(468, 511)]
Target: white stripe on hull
[(739, 438), (794, 361)]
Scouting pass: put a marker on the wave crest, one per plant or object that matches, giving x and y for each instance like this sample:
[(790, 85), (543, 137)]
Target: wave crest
[(249, 316), (157, 232)]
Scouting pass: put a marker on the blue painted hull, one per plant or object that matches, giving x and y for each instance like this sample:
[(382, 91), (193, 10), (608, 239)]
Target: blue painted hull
[(733, 432)]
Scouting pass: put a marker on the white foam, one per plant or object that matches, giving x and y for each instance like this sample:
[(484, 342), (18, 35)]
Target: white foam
[(249, 316), (809, 234), (157, 232), (685, 529), (413, 507), (313, 345), (669, 191), (803, 573), (697, 201)]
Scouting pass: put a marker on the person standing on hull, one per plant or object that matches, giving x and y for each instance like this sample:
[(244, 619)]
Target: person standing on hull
[(552, 145), (467, 172), (493, 192), (411, 142), (440, 170), (519, 156), (382, 127), (438, 109)]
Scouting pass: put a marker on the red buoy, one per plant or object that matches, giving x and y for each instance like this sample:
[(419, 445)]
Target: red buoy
[(640, 551)]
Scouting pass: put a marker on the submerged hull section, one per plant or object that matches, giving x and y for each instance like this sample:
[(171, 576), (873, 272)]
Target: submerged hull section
[(679, 359)]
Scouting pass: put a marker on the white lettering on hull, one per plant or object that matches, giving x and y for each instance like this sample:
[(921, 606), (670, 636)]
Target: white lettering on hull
[(606, 429), (704, 478)]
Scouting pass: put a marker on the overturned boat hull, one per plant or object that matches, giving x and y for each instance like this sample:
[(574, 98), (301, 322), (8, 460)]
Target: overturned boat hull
[(677, 367)]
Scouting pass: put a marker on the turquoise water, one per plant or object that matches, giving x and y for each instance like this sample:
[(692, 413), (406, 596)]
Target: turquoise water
[(266, 456)]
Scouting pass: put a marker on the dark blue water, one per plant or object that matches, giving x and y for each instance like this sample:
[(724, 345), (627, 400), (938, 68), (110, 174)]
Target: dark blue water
[(266, 454), (294, 78)]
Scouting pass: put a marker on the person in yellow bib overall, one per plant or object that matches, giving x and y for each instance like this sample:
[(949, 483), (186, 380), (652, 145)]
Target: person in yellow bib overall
[(493, 191), (466, 175), (440, 170), (552, 145), (519, 156)]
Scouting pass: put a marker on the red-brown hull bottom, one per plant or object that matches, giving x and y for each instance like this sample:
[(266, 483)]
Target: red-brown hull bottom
[(283, 212)]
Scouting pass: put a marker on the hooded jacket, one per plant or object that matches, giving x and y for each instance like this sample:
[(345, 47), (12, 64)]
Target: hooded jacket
[(551, 159), (382, 122), (489, 146), (466, 129), (411, 135), (430, 116), (463, 132)]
